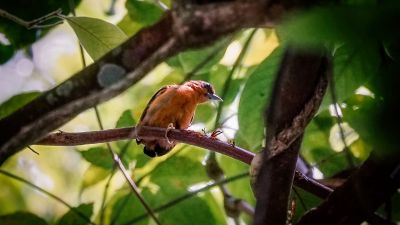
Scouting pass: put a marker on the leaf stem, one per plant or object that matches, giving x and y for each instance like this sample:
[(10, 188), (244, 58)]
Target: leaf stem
[(339, 121), (77, 212)]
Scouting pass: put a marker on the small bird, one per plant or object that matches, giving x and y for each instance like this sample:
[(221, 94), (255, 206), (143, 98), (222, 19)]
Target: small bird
[(173, 106)]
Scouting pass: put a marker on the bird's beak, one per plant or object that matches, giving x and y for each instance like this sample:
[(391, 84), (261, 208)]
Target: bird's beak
[(214, 97)]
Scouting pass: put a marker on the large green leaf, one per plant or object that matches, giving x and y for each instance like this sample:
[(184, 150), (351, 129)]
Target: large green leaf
[(126, 208), (16, 102), (126, 119), (344, 23), (93, 175), (97, 36), (304, 202), (72, 218), (174, 177), (253, 101), (195, 211), (176, 174), (353, 67), (143, 12), (239, 188), (99, 156), (21, 218), (359, 113), (187, 61)]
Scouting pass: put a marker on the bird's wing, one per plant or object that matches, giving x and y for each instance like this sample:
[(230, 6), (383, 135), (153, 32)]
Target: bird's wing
[(158, 93)]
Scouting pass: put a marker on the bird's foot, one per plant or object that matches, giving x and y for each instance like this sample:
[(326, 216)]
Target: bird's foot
[(215, 133), (170, 127)]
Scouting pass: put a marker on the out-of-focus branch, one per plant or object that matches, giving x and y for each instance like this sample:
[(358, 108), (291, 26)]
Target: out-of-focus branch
[(128, 63), (358, 198), (297, 94)]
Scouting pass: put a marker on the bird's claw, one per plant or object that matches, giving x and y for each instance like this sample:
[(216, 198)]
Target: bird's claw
[(170, 127), (215, 133)]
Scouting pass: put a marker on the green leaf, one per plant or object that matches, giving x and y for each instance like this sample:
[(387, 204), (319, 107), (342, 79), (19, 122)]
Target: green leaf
[(189, 60), (99, 156), (341, 24), (143, 12), (97, 36), (16, 102), (174, 177), (195, 211), (6, 52), (127, 208), (128, 26), (253, 100), (359, 113), (21, 218), (316, 134), (354, 66), (176, 174), (93, 175), (126, 119), (310, 201), (72, 218), (239, 188)]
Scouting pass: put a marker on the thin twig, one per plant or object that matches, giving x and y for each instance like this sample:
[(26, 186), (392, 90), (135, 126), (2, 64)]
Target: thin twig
[(107, 186), (230, 75), (36, 23), (111, 8), (128, 178), (339, 121), (77, 212), (214, 171), (33, 150), (189, 195)]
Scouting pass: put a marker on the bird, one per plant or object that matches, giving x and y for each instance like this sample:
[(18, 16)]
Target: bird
[(173, 106)]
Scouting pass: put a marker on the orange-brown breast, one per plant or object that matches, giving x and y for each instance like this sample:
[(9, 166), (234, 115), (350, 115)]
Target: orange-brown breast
[(175, 105)]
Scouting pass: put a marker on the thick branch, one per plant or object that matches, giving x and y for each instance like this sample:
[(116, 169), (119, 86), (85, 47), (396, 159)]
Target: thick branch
[(128, 63), (360, 196), (297, 94), (185, 136)]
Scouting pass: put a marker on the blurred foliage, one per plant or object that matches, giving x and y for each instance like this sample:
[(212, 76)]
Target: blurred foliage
[(359, 35), (21, 218), (73, 218), (20, 37)]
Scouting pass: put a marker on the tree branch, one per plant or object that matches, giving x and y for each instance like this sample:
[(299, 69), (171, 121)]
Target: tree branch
[(297, 94), (360, 196), (184, 136)]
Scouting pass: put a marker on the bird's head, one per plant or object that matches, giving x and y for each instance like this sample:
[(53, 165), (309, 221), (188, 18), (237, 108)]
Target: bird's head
[(203, 90)]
